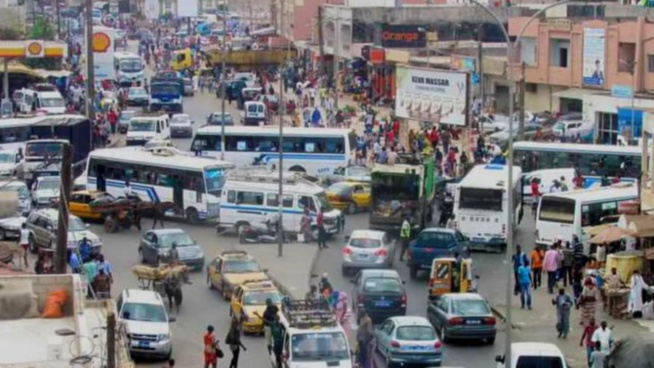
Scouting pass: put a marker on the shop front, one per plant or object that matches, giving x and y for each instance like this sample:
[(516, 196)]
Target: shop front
[(615, 120)]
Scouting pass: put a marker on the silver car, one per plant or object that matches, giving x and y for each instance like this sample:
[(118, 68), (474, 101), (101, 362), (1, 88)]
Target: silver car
[(368, 249), (155, 246), (181, 125)]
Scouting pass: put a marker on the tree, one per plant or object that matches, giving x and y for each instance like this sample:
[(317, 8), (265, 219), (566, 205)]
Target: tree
[(9, 34), (42, 30)]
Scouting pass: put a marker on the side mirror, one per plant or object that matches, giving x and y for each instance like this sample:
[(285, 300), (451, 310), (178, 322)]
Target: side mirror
[(499, 359), (172, 319)]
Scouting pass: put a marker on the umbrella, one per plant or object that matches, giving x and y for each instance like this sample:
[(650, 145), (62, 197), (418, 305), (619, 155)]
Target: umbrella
[(594, 230), (610, 235)]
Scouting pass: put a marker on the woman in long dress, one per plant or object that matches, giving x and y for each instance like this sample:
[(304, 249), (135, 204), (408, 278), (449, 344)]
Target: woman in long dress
[(637, 285), (588, 301)]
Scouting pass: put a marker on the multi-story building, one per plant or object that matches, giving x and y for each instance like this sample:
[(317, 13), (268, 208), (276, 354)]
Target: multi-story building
[(13, 15)]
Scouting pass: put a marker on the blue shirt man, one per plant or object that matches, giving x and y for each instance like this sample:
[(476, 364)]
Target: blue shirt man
[(524, 279), (74, 262)]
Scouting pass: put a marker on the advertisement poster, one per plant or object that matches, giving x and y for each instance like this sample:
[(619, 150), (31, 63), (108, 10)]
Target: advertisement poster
[(403, 36), (431, 95), (188, 8), (151, 9), (103, 53), (594, 50)]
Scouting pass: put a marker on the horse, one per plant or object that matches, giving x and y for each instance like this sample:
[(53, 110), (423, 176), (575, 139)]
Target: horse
[(173, 289)]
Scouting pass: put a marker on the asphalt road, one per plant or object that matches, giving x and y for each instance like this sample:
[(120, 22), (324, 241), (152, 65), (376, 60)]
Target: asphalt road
[(202, 306)]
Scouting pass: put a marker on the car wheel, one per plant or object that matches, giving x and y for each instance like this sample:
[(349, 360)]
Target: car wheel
[(352, 208), (443, 335), (490, 341), (192, 216), (32, 244)]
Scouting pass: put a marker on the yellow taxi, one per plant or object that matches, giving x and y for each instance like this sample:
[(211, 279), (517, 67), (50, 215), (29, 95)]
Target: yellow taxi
[(231, 269), (349, 196), (81, 201), (249, 303)]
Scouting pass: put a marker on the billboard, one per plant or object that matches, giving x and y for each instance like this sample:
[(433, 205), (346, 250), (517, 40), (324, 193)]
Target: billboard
[(401, 36), (594, 52), (188, 8), (439, 96), (103, 53)]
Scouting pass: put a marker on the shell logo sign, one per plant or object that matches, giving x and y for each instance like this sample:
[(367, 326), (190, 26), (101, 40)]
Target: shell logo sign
[(101, 42), (34, 49)]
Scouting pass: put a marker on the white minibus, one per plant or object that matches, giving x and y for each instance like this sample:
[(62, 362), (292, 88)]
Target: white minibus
[(142, 129)]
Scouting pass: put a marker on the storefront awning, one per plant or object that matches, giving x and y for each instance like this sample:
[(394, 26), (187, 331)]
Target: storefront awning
[(572, 93)]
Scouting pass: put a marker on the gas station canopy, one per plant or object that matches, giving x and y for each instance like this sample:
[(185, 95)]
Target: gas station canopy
[(33, 49)]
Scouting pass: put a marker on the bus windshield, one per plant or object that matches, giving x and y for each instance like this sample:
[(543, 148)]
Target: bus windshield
[(554, 209), (131, 66), (481, 199), (43, 149), (214, 180)]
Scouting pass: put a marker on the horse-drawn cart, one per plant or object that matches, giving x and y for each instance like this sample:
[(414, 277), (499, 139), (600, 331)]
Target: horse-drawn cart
[(165, 280), (123, 212)]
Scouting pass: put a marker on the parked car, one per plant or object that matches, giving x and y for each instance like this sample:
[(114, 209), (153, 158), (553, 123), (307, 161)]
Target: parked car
[(533, 354), (501, 138), (349, 196), (137, 96), (348, 173), (569, 127), (380, 294), (181, 125), (462, 316), (124, 118), (409, 340), (432, 243), (368, 249), (155, 246), (492, 123), (42, 225), (220, 118)]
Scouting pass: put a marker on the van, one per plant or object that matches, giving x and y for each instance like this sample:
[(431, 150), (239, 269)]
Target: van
[(143, 129), (47, 100), (533, 355), (573, 125), (254, 113), (250, 197)]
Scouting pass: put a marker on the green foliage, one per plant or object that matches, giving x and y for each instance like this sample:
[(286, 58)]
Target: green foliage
[(9, 34), (42, 30)]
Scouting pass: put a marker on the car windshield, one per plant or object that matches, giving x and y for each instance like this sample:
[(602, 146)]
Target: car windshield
[(241, 266), (319, 346), (141, 126), (48, 184), (131, 66), (7, 158), (20, 189), (144, 312), (469, 307), (137, 92), (382, 285), (358, 171), (324, 203), (218, 117), (365, 243), (340, 189), (181, 239), (214, 180), (43, 149), (559, 126), (526, 361), (75, 224), (180, 119), (127, 114), (415, 333), (52, 102), (259, 297)]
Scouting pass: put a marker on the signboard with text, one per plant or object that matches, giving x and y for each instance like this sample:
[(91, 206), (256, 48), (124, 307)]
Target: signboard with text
[(434, 95), (403, 36), (594, 52)]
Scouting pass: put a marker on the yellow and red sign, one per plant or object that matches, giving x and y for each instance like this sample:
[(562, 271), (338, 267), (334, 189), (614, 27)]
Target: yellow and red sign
[(34, 49), (101, 42)]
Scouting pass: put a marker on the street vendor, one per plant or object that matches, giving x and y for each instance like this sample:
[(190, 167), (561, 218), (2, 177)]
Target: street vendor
[(613, 286)]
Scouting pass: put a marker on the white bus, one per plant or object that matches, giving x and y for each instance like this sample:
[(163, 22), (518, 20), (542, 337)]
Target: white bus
[(130, 68), (309, 150), (592, 160), (194, 184), (481, 204), (564, 214), (15, 132), (251, 197)]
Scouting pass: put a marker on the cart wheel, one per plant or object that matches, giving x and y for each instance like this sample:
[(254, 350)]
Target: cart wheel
[(110, 226)]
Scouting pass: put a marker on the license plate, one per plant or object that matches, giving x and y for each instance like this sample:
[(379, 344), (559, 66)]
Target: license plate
[(415, 348), (473, 322), (144, 344), (362, 256), (478, 239), (383, 303)]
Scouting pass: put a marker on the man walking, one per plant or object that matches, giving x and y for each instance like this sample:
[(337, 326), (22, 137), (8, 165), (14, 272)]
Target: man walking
[(405, 235), (524, 278), (518, 259), (550, 265)]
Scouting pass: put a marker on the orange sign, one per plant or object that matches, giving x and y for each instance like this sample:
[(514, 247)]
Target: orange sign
[(101, 42), (34, 49)]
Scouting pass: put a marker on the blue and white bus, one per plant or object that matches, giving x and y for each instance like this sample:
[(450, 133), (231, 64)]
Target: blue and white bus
[(194, 184), (315, 151)]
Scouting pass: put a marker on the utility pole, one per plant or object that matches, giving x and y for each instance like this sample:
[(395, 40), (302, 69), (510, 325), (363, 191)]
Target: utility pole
[(111, 340), (62, 223), (337, 49), (321, 40), (223, 86), (58, 12), (5, 79), (90, 70), (480, 66), (282, 107), (521, 101)]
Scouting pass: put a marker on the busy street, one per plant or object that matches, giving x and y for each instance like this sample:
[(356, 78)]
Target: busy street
[(220, 184)]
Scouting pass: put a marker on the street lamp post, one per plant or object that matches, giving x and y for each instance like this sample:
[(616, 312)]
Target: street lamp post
[(511, 199), (280, 149)]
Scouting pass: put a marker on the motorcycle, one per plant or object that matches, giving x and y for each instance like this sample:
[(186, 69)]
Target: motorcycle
[(446, 209), (266, 233)]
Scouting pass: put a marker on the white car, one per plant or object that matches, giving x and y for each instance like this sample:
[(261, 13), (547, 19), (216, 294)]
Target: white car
[(367, 249), (11, 163), (533, 354), (407, 339), (181, 125), (493, 123), (146, 322), (45, 190)]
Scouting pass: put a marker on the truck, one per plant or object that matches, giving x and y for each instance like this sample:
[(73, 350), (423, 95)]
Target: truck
[(49, 135), (70, 333), (248, 59), (166, 91), (402, 190)]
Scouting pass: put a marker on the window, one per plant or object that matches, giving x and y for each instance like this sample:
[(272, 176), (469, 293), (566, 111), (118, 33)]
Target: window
[(251, 198), (416, 333), (470, 308), (595, 213), (481, 199), (306, 200), (528, 51), (245, 143), (539, 361), (557, 210), (626, 57), (272, 200), (650, 63), (435, 239), (382, 285), (559, 55), (287, 201)]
